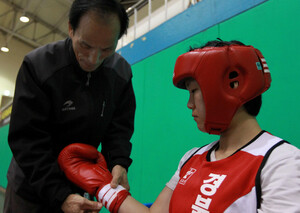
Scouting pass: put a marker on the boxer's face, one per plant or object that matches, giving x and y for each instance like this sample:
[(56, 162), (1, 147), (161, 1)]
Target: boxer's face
[(196, 103), (94, 39)]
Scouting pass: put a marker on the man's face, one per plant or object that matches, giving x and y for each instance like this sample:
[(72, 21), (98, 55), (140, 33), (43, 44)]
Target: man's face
[(95, 39)]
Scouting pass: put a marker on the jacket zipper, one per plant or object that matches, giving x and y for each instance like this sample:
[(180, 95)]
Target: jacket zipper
[(103, 106), (89, 75), (88, 79)]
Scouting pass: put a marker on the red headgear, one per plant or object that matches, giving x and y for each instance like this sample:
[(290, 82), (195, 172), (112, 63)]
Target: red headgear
[(216, 69)]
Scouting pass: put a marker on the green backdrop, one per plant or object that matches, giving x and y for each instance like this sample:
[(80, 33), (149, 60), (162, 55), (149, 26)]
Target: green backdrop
[(164, 128), (5, 155)]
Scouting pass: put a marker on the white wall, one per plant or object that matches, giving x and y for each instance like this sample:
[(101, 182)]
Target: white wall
[(10, 63)]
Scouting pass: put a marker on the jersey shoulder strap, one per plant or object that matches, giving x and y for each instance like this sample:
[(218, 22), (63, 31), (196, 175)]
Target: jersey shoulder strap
[(200, 150)]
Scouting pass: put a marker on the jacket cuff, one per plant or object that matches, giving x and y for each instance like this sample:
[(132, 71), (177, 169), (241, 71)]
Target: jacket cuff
[(124, 162), (60, 199)]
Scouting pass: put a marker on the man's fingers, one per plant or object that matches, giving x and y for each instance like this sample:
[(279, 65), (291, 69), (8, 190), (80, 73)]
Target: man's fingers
[(91, 205), (125, 183), (77, 203), (119, 177), (115, 181), (117, 173)]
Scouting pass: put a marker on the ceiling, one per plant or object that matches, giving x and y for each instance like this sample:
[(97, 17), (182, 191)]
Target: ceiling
[(48, 20)]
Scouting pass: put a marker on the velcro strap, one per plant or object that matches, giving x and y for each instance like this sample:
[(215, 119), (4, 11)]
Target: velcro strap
[(107, 194)]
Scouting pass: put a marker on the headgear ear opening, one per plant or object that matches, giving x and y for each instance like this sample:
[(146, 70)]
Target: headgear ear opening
[(229, 76)]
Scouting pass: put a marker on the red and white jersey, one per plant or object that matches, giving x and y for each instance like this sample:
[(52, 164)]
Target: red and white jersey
[(228, 185)]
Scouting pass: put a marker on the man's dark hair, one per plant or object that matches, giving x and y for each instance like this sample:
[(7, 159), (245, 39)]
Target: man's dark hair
[(253, 106), (81, 7)]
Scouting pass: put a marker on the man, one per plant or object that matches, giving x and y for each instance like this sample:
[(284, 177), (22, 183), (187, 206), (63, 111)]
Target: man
[(76, 90)]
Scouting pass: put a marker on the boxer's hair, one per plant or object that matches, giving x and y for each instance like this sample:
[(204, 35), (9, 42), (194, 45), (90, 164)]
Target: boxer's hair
[(253, 106), (102, 7)]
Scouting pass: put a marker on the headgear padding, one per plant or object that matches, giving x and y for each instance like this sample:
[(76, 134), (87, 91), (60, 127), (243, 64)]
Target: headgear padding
[(217, 69)]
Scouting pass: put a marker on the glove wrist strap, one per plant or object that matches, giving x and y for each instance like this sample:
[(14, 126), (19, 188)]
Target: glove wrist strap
[(107, 194)]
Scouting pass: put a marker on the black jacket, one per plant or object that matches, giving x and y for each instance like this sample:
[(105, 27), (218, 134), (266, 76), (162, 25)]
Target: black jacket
[(56, 103)]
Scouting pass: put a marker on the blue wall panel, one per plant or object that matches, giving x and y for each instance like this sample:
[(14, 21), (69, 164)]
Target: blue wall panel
[(197, 18)]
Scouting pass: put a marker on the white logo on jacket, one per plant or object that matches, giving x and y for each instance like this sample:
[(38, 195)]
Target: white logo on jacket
[(68, 106)]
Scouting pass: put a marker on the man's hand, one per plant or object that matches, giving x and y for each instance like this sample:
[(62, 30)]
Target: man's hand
[(77, 204), (119, 177)]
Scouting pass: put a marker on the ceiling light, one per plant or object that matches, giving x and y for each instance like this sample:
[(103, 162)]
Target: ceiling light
[(6, 93), (4, 49), (24, 19)]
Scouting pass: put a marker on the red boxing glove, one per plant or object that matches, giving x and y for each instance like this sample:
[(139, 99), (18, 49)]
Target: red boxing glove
[(86, 167)]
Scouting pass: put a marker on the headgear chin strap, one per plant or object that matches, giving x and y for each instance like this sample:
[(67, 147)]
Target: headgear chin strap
[(217, 69)]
